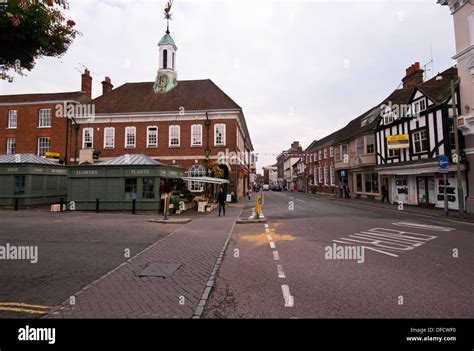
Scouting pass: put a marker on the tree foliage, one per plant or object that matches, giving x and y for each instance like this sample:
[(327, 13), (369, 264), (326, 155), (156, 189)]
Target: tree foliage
[(30, 29)]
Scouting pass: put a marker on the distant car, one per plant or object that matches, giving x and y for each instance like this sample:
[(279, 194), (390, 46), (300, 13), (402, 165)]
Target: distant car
[(266, 187), (275, 188)]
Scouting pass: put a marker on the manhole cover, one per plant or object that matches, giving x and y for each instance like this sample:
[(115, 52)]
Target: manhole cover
[(164, 270)]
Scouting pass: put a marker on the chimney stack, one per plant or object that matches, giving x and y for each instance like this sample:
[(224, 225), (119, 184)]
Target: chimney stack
[(86, 83), (107, 86), (414, 76)]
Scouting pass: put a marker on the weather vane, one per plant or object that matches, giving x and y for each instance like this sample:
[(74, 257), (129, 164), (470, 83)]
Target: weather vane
[(168, 15)]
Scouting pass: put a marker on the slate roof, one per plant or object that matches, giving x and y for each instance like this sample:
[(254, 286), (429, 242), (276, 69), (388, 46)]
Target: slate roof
[(74, 96), (193, 95), (25, 159), (131, 160)]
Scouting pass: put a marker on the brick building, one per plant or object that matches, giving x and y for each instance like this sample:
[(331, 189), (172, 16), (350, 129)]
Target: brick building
[(191, 123), (28, 124), (320, 157)]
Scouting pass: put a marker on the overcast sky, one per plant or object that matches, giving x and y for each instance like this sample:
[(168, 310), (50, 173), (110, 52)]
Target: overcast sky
[(299, 69)]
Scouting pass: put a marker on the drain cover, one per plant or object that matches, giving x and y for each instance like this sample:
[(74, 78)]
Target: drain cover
[(164, 270)]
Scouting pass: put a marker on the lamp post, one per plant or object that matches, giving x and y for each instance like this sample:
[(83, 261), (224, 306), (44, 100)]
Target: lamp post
[(456, 141)]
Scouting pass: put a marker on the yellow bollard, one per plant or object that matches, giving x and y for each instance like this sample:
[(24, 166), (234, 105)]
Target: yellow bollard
[(258, 206)]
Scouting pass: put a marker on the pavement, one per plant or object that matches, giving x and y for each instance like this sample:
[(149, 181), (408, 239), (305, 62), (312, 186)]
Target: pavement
[(414, 266), (427, 211), (74, 249), (196, 248)]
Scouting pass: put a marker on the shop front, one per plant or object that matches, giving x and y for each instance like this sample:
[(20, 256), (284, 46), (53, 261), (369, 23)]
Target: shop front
[(421, 185), (122, 183), (27, 180)]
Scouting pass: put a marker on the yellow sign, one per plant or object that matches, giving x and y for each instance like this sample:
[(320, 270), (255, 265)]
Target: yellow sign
[(400, 141), (52, 154)]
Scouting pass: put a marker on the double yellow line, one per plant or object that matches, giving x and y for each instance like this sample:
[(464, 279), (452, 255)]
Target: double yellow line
[(23, 308)]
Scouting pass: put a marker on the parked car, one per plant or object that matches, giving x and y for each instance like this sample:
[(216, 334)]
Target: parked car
[(275, 188), (266, 187)]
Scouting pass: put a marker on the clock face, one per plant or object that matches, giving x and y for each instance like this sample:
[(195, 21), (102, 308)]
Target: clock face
[(162, 80)]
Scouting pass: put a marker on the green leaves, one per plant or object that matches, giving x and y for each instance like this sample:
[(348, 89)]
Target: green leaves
[(31, 29)]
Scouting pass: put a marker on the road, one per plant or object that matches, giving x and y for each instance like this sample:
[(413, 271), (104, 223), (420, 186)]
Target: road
[(410, 266), (74, 249)]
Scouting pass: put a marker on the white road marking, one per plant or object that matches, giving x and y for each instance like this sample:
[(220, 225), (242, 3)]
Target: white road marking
[(289, 300), (272, 245), (281, 273), (300, 200), (267, 230), (276, 256), (423, 226), (266, 225), (269, 237)]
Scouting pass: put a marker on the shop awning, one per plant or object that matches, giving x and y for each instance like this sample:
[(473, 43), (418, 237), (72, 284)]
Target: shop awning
[(205, 180)]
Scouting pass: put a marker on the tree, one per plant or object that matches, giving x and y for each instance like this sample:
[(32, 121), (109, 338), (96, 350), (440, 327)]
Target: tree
[(30, 29)]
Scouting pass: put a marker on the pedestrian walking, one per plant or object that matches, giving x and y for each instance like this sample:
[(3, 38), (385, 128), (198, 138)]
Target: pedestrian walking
[(347, 192), (384, 193), (221, 199)]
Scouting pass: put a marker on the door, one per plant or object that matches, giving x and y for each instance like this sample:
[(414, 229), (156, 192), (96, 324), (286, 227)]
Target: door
[(386, 183), (426, 191)]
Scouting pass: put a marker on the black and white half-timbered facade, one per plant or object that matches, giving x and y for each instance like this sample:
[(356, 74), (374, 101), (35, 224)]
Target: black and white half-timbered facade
[(414, 130)]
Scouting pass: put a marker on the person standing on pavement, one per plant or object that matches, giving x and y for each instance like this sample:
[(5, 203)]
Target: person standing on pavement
[(384, 193), (221, 199)]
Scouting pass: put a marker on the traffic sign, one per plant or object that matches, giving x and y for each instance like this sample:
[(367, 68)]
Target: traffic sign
[(443, 164)]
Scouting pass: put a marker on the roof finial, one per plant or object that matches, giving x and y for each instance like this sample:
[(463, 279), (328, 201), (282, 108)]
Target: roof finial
[(168, 15)]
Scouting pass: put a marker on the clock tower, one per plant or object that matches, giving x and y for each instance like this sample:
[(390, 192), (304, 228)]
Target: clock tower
[(167, 77)]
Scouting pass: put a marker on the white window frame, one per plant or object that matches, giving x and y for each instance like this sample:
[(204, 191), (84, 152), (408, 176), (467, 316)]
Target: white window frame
[(325, 153), (42, 118), (332, 174), (193, 185), (91, 133), (174, 135), (11, 142), (41, 151), (360, 146), (331, 151), (326, 175), (130, 131), (196, 130), (420, 141), (107, 130), (392, 153), (12, 119), (320, 155), (222, 134), (367, 138), (337, 153), (320, 175), (148, 134)]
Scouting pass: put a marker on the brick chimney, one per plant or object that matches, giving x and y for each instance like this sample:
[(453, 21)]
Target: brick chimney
[(414, 76), (86, 83), (107, 86)]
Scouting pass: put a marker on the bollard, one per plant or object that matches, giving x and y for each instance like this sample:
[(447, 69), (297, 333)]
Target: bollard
[(134, 203), (61, 203), (96, 205), (17, 203)]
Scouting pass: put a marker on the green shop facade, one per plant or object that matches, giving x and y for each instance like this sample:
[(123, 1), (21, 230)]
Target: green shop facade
[(27, 180), (121, 183)]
